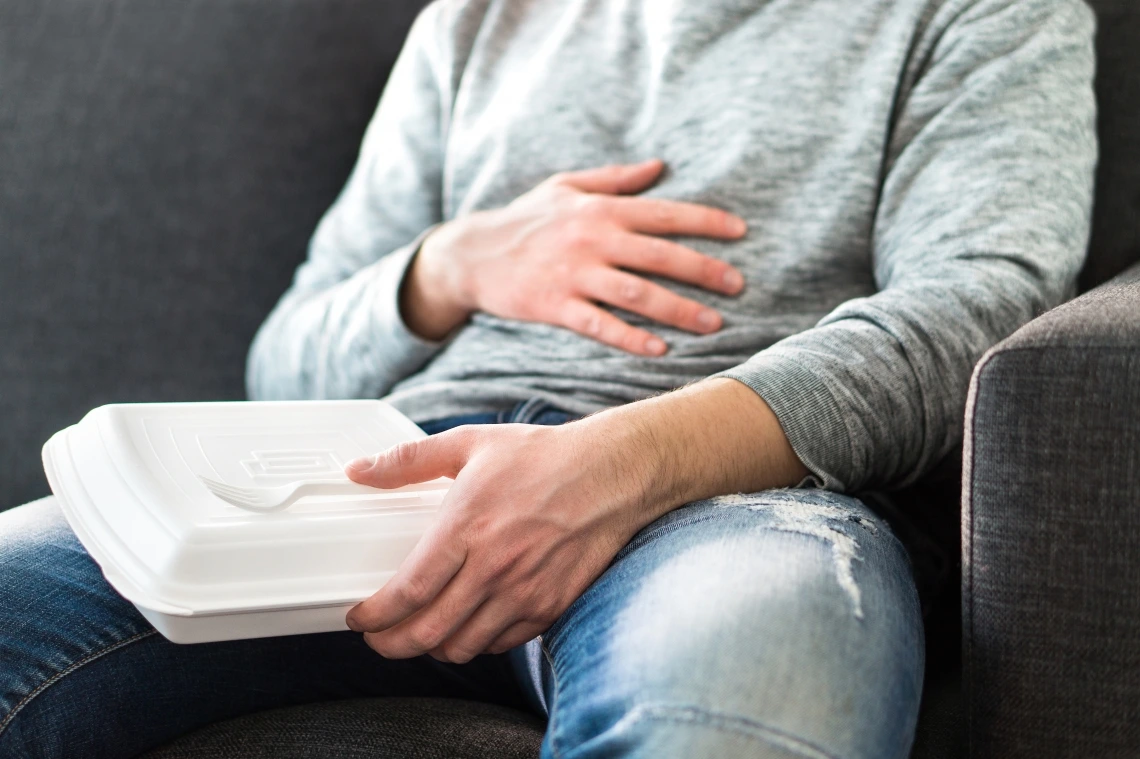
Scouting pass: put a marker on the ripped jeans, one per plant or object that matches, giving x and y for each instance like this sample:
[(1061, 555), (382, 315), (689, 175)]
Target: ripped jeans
[(777, 624)]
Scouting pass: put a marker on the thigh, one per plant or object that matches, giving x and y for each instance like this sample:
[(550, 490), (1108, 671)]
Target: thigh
[(780, 624), (83, 674)]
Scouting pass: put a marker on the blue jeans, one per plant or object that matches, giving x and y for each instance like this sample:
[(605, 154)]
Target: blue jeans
[(776, 624)]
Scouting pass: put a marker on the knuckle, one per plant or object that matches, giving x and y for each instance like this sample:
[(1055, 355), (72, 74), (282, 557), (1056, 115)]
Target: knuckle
[(590, 205), (563, 272), (500, 566), (425, 637), (412, 592), (376, 644), (633, 341), (657, 253), (546, 612), (577, 233), (632, 291), (712, 270), (466, 436), (720, 220), (402, 454), (685, 312), (458, 653), (588, 324)]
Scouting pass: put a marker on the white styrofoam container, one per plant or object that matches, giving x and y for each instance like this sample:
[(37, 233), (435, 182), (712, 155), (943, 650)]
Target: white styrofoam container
[(200, 569)]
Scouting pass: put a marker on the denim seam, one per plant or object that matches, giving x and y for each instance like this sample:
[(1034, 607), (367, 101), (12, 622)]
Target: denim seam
[(731, 723), (64, 673), (553, 709)]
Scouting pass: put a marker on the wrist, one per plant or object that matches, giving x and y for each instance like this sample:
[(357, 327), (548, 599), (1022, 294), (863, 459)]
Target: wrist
[(431, 301), (623, 457), (444, 267)]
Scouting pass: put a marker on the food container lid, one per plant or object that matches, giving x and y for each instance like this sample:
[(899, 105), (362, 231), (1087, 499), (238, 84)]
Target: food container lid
[(129, 478)]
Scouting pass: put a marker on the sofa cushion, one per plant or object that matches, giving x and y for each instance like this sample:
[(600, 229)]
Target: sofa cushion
[(379, 728), (162, 167), (419, 728)]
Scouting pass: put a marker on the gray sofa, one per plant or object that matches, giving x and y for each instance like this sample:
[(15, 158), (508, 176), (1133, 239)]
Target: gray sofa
[(162, 165)]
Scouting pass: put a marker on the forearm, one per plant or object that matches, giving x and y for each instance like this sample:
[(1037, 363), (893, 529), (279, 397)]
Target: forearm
[(340, 340), (711, 438), (536, 513)]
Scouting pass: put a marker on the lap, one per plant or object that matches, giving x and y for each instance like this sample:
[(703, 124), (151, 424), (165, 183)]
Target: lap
[(778, 624), (83, 674), (783, 623)]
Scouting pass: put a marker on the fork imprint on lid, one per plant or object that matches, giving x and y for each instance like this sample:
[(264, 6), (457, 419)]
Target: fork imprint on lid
[(269, 500)]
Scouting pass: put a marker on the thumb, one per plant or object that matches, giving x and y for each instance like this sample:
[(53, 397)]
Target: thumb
[(407, 463), (616, 180)]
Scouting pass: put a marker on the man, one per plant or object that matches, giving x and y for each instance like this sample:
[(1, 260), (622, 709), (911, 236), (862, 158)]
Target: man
[(811, 216)]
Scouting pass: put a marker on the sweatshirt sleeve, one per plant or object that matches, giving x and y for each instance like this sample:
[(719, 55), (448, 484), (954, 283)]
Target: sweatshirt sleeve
[(337, 332), (983, 224)]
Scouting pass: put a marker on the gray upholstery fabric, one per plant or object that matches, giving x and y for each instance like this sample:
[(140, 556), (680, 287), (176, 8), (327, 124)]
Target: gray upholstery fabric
[(412, 728), (1051, 534), (1116, 225), (389, 728), (161, 169)]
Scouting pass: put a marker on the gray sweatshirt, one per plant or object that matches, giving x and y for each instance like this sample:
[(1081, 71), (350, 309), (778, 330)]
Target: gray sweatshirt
[(916, 175)]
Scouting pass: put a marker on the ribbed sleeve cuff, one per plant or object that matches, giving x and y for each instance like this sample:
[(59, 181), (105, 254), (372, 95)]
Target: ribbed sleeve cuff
[(809, 413), (404, 351)]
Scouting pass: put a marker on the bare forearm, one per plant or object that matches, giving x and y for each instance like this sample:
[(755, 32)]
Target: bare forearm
[(537, 513), (712, 438)]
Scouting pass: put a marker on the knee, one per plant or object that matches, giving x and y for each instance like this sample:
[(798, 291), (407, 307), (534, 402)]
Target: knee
[(761, 633), (742, 613), (58, 614), (35, 540)]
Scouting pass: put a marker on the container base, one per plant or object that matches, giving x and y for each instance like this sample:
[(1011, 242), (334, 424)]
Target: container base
[(244, 625)]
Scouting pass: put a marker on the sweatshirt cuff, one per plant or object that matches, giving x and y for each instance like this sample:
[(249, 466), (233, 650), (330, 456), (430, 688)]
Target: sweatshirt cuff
[(404, 351), (808, 412)]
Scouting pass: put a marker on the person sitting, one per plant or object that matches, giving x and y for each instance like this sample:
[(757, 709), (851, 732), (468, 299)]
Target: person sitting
[(674, 286)]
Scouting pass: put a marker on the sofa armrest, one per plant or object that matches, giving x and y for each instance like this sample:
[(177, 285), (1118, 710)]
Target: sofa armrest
[(1051, 534)]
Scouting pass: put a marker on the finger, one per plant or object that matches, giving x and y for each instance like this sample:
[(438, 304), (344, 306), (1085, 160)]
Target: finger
[(625, 179), (516, 635), (669, 217), (432, 626), (476, 635), (433, 562), (667, 258), (596, 323), (640, 296), (413, 461)]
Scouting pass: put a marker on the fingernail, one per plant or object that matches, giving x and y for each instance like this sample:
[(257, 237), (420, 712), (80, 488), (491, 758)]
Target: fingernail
[(708, 319), (733, 280), (655, 346), (362, 463)]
